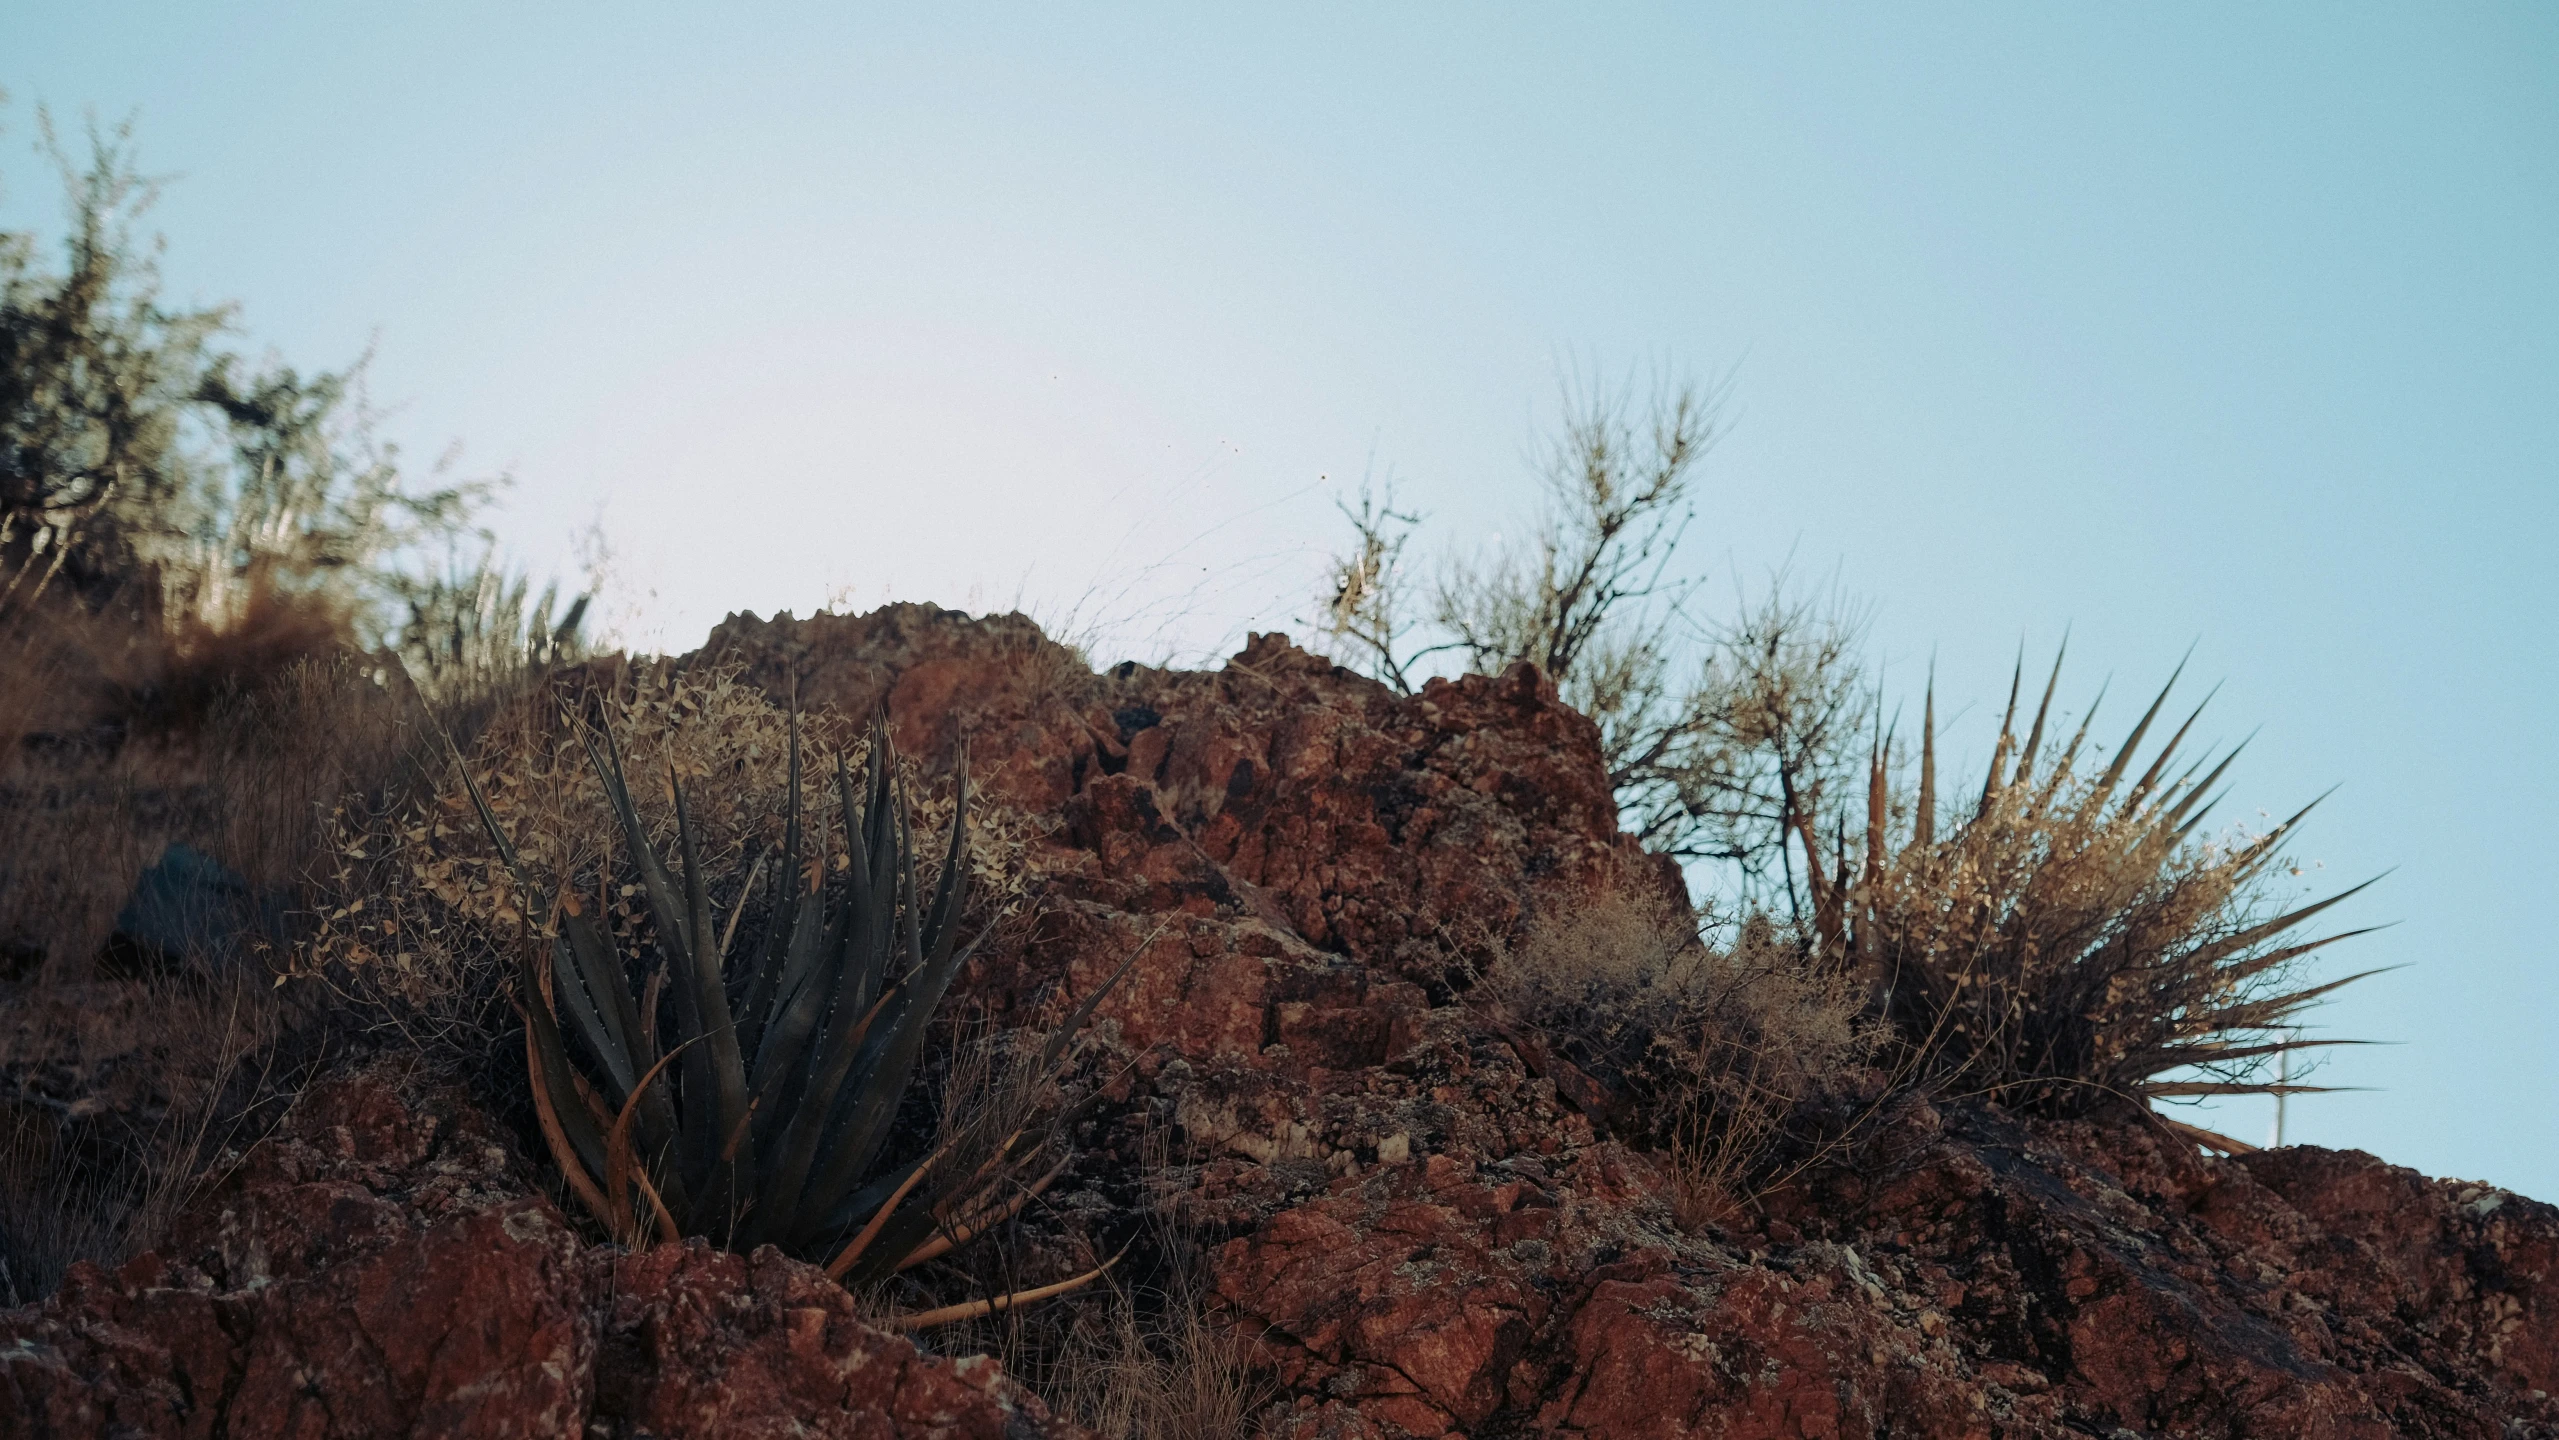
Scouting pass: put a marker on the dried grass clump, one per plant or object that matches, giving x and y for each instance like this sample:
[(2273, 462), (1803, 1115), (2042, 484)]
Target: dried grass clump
[(1151, 1355), (127, 1101), (2073, 940), (251, 780), (420, 916), (207, 658), (1709, 1049), (1176, 1374)]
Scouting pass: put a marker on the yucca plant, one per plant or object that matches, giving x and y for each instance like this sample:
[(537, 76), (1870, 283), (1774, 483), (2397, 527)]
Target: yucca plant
[(2072, 938), (476, 623), (791, 1058)]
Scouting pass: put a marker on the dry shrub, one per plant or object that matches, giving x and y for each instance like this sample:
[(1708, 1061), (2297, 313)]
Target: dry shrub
[(1045, 671), (127, 1101), (76, 845), (1710, 1042), (59, 664), (1173, 1374), (291, 754), (209, 658), (2072, 941), (532, 874), (419, 918), (1151, 1355), (253, 783)]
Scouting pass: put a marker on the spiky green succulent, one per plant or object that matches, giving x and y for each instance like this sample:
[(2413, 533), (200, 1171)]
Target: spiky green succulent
[(791, 1059)]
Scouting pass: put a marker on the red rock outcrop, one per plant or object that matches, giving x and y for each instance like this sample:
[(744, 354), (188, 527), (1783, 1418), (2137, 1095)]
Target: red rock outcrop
[(1422, 1223), (380, 1268)]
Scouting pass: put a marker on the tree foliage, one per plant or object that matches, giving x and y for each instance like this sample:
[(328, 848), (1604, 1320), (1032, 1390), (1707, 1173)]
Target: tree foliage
[(147, 468)]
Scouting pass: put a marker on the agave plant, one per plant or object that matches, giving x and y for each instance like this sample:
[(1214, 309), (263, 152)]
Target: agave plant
[(790, 1059), (2071, 938)]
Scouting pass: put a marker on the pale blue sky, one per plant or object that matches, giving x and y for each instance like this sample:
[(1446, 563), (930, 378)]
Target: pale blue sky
[(2173, 324)]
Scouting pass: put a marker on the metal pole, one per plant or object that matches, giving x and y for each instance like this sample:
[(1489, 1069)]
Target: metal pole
[(2283, 1077)]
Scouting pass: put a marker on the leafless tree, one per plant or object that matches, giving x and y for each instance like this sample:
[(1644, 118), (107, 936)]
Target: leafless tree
[(1366, 620), (1715, 735), (1777, 726)]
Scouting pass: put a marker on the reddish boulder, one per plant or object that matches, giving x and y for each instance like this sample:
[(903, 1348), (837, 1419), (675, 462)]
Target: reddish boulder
[(2432, 1264), (379, 1268), (1395, 830), (701, 1343)]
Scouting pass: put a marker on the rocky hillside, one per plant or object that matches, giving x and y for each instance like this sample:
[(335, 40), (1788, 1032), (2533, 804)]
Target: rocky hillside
[(1421, 1222)]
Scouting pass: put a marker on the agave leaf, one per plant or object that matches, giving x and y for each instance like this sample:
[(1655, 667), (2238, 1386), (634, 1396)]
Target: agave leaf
[(489, 822), (1992, 784), (832, 979), (2034, 746), (703, 935), (619, 1161), (649, 998), (756, 1007), (2261, 852), (666, 909), (951, 891), (2186, 827), (609, 1044), (675, 934), (581, 961), (2173, 1089), (584, 973), (746, 895), (904, 1235), (724, 1096), (907, 1226), (2216, 1054), (2079, 736), (2150, 777), (575, 1146), (886, 1062), (2293, 1000), (2208, 1139), (782, 1060), (812, 975), (1064, 1034), (855, 1141), (1878, 807), (846, 1258), (2230, 945), (866, 1199), (973, 1309), (960, 1232), (2195, 794), (1924, 814), (2123, 757), (853, 944), (796, 1147), (2250, 968)]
